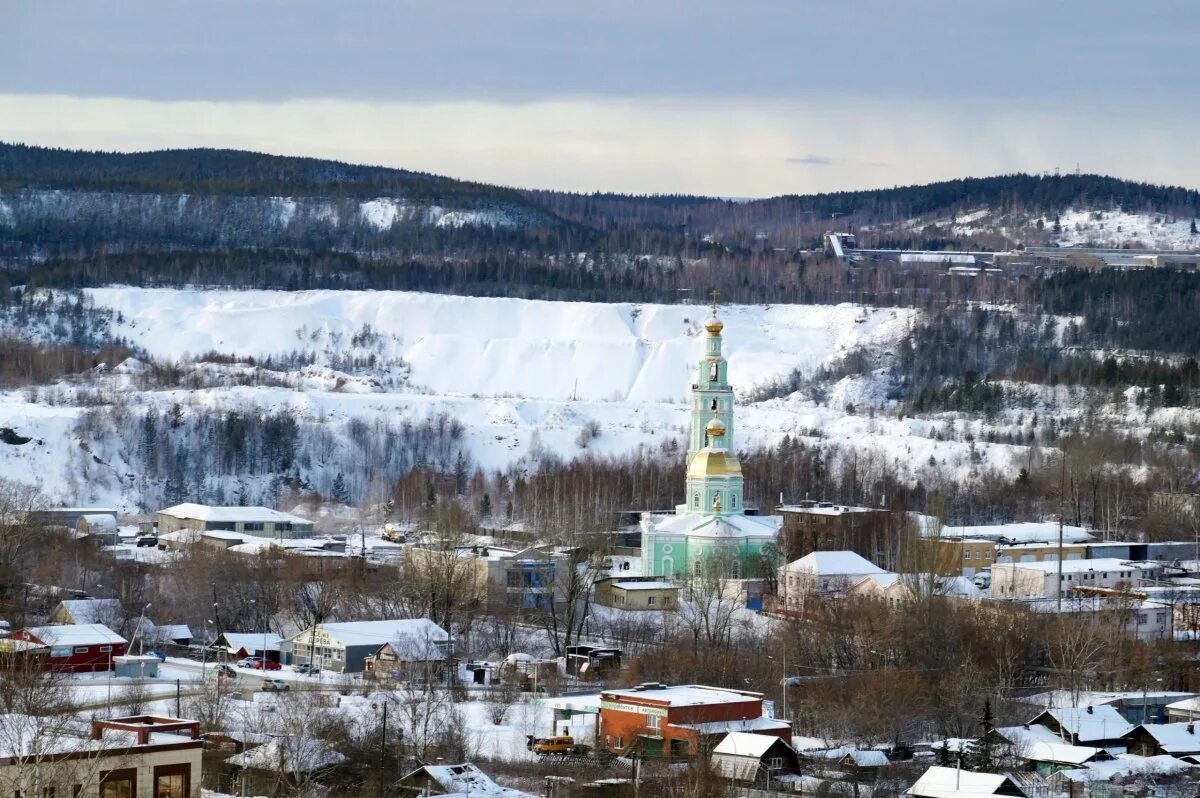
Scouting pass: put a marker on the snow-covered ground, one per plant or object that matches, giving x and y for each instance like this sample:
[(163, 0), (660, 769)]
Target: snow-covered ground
[(1121, 229)]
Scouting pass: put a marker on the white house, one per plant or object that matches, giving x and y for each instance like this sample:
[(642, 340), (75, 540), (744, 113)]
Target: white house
[(1041, 579), (822, 572), (939, 782)]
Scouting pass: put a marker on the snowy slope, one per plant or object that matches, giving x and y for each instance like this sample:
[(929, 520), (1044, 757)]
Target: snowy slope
[(466, 346)]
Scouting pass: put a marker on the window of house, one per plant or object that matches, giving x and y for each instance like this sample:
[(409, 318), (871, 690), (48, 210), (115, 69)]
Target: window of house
[(650, 600), (1141, 617), (775, 763), (105, 649), (119, 783), (172, 781), (618, 742), (253, 526), (80, 649), (654, 722)]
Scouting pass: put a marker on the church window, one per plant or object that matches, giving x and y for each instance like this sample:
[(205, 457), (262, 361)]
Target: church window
[(695, 501), (733, 500), (737, 568), (713, 372), (714, 404), (696, 567), (668, 566)]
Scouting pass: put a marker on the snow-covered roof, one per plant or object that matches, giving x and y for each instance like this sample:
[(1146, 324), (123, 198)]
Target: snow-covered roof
[(1040, 744), (467, 779), (645, 585), (684, 695), (1176, 739), (1091, 724), (173, 631), (716, 526), (834, 563), (93, 610), (745, 744), (940, 782), (1065, 698), (294, 755), (1023, 532), (252, 642), (1105, 564), (253, 514), (754, 725), (408, 635), (861, 757), (1128, 765), (81, 634)]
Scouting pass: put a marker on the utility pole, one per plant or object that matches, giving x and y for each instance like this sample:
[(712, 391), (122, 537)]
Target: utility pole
[(178, 700), (383, 752), (1060, 562)]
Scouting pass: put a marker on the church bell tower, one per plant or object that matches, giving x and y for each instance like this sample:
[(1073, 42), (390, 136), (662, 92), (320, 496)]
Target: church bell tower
[(712, 397)]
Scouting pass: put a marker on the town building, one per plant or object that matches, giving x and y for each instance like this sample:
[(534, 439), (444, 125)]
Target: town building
[(257, 645), (345, 646), (101, 527), (530, 578), (141, 756), (710, 533), (821, 573), (654, 720), (66, 517), (754, 759), (897, 590), (636, 593), (256, 521), (825, 526), (1041, 579), (77, 648)]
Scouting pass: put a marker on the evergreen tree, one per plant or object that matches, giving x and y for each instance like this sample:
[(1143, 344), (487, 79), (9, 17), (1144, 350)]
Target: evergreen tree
[(341, 493), (979, 755)]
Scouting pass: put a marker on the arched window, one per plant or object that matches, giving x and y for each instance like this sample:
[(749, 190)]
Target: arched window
[(714, 404), (696, 566), (714, 372), (733, 500), (668, 566), (695, 501)]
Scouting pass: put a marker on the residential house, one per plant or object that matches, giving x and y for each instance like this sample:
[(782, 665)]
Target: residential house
[(1043, 750), (1098, 727), (821, 573), (1136, 706), (1185, 710), (257, 521), (941, 782), (411, 657), (1173, 739), (292, 759), (464, 779), (825, 526), (346, 646), (654, 720), (1040, 580), (259, 645), (77, 648), (755, 759), (107, 611), (1117, 609), (636, 593)]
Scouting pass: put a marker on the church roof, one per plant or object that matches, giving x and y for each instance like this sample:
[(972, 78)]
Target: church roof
[(717, 526), (710, 462)]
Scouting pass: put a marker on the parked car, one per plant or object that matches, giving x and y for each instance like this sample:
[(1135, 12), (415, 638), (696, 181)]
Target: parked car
[(275, 686), (146, 540), (226, 670), (306, 669), (257, 664)]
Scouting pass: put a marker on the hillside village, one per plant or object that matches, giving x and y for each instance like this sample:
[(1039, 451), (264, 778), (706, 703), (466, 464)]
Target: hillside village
[(823, 648)]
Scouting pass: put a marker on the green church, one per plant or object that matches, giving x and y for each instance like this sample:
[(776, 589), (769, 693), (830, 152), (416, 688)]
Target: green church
[(711, 526)]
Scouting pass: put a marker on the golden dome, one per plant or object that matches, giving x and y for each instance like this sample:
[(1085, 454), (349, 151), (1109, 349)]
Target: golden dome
[(714, 428), (714, 326), (714, 463)]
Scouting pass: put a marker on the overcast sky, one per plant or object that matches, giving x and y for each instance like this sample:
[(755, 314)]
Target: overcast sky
[(738, 98)]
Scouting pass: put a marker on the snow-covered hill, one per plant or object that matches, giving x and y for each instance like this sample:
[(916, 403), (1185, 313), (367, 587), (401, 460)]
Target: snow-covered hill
[(522, 377)]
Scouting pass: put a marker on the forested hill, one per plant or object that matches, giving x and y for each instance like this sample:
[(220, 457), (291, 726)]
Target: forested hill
[(244, 219), (236, 172), (1021, 193)]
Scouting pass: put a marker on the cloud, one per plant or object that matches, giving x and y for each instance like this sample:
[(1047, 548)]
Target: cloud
[(828, 160)]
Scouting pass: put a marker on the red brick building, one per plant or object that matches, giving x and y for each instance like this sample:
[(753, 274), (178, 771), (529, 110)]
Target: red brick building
[(75, 648), (655, 720)]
